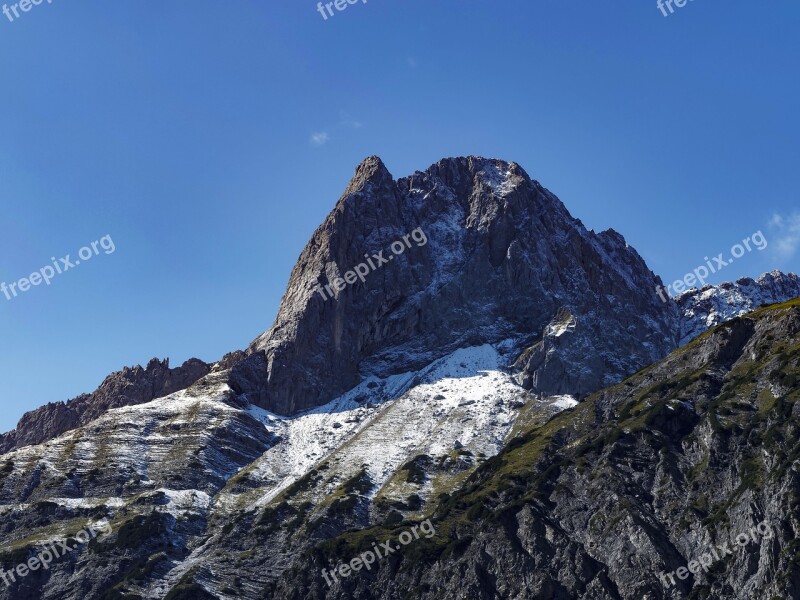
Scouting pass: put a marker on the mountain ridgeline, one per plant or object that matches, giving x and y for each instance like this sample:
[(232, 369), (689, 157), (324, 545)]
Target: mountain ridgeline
[(510, 382)]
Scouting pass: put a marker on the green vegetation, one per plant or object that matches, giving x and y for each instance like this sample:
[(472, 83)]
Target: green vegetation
[(10, 558), (523, 357), (359, 483), (7, 469), (283, 515), (134, 533), (189, 591), (305, 483)]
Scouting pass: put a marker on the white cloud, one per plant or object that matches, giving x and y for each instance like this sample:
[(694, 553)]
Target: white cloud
[(785, 234), (320, 138)]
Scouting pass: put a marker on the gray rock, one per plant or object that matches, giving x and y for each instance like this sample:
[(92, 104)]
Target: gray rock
[(130, 386), (503, 258), (711, 305)]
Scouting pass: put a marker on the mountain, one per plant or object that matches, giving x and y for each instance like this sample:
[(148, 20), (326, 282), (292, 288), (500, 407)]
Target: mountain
[(496, 258), (611, 498), (489, 257), (711, 305), (432, 327)]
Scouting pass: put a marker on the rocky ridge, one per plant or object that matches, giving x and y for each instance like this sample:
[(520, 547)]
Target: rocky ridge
[(714, 304), (129, 386)]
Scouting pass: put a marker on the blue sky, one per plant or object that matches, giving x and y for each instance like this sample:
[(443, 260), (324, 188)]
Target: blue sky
[(209, 139)]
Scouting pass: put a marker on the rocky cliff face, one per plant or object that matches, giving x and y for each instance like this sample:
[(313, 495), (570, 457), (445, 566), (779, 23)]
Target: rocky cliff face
[(711, 305), (502, 258), (611, 499), (123, 388), (192, 479)]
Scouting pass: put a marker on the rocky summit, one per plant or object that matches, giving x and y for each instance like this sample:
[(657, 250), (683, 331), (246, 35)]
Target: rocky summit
[(504, 263), (465, 394)]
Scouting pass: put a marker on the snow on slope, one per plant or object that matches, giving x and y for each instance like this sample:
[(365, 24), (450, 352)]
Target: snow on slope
[(309, 437), (461, 409), (462, 401), (189, 439)]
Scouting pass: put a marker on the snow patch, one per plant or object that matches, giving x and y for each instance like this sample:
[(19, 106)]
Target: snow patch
[(563, 402)]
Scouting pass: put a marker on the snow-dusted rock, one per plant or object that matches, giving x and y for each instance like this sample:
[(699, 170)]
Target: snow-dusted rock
[(711, 305)]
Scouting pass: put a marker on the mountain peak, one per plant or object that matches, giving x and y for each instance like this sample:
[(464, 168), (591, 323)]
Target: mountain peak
[(370, 172), (501, 256), (371, 163)]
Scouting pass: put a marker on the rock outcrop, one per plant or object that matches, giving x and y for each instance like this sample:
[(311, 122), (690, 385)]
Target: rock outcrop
[(131, 385)]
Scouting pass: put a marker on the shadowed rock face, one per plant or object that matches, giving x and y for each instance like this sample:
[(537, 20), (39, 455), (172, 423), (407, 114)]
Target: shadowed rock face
[(123, 388), (502, 259)]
